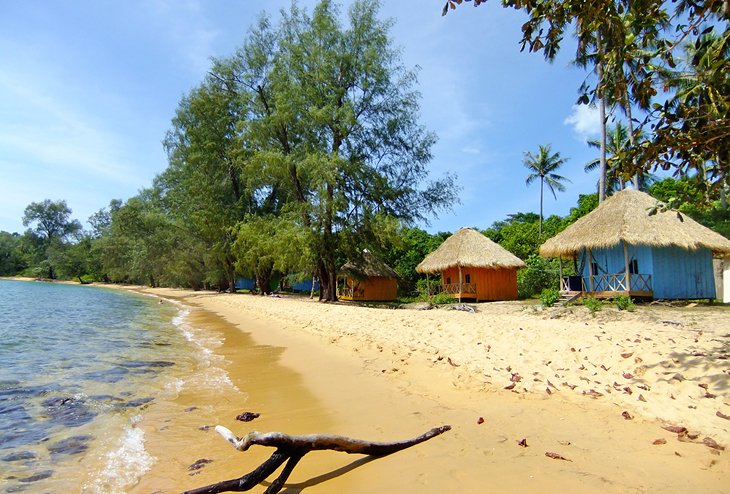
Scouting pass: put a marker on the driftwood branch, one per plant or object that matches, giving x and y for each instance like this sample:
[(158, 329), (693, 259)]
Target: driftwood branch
[(291, 449)]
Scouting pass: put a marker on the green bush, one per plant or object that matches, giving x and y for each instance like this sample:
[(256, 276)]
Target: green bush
[(442, 298), (537, 276), (592, 304), (426, 287), (624, 302), (549, 296)]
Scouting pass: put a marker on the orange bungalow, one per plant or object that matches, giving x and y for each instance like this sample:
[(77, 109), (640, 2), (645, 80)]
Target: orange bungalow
[(367, 279), (473, 267)]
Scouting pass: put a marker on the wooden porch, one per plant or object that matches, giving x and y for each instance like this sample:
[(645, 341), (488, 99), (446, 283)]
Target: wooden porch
[(609, 285)]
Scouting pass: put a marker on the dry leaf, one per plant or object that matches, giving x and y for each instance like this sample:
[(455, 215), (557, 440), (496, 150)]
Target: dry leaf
[(511, 386), (522, 442), (627, 355), (627, 415), (628, 375), (711, 443), (677, 429), (660, 441), (722, 415), (480, 420), (556, 456)]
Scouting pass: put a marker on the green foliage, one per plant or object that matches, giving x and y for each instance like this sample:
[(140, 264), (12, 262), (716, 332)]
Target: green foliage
[(539, 275), (549, 296), (624, 302), (11, 258), (442, 298), (592, 304), (427, 287)]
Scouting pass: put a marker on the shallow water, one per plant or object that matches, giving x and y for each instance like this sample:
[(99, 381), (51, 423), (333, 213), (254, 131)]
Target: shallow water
[(80, 367)]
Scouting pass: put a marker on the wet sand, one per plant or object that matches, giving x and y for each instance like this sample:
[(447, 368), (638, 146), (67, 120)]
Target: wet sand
[(393, 374)]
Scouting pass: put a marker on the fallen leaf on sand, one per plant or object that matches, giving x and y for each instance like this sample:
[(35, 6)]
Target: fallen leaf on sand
[(641, 398), (605, 368), (628, 375), (711, 443), (247, 416), (480, 420), (593, 393), (522, 442), (547, 390), (452, 362), (556, 456), (702, 385), (660, 441), (516, 377), (722, 415), (677, 429), (627, 415), (511, 386), (199, 464), (627, 355), (627, 390)]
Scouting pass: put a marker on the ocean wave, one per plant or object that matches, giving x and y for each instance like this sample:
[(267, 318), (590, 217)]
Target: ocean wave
[(124, 465)]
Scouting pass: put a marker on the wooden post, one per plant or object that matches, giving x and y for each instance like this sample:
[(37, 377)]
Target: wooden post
[(459, 283), (626, 262), (590, 269), (560, 272)]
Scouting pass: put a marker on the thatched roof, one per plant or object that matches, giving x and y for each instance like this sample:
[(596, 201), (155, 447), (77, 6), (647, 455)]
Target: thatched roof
[(625, 217), (468, 248), (368, 265)]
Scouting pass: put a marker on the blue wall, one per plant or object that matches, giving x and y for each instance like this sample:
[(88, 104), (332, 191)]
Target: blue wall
[(683, 274), (675, 273), (245, 283)]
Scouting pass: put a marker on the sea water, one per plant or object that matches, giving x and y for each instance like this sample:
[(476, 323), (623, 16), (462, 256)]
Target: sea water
[(79, 365)]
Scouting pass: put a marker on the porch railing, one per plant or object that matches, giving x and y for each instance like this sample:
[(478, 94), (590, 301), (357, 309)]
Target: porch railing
[(613, 282), (351, 293), (453, 288)]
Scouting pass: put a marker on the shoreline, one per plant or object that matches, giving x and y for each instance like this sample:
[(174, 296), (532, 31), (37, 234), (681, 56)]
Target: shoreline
[(428, 368)]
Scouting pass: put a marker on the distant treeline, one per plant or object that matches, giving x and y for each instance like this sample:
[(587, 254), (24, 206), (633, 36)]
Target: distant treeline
[(140, 242)]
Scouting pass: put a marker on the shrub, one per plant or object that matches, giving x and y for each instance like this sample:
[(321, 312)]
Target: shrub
[(549, 296), (537, 275), (624, 302), (442, 298), (426, 287), (592, 304)]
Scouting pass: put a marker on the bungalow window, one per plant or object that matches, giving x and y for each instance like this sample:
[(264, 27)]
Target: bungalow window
[(448, 281), (634, 266), (467, 278)]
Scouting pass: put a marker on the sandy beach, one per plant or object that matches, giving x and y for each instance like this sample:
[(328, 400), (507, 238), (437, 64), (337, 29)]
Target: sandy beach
[(605, 393)]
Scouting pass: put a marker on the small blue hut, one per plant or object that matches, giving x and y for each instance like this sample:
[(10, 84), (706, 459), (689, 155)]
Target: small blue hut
[(627, 246)]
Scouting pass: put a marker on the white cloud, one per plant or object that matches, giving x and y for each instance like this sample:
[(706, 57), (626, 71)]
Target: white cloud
[(585, 121)]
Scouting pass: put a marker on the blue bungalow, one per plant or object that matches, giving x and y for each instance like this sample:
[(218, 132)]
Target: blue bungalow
[(629, 246)]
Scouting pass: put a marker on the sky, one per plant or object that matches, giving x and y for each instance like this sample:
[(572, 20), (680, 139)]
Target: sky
[(88, 90)]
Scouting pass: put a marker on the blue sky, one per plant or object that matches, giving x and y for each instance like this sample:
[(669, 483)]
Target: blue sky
[(88, 90)]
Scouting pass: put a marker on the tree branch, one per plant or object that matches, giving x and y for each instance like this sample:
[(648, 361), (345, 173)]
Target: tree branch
[(293, 448)]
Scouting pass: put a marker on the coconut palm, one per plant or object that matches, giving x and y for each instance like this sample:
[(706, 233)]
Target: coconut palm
[(618, 140), (543, 165)]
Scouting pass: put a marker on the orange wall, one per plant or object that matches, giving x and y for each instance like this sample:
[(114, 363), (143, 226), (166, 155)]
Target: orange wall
[(376, 288), (491, 284)]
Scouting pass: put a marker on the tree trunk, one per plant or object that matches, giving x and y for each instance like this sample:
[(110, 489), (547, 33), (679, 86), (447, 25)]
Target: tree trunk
[(293, 448), (602, 113), (542, 183)]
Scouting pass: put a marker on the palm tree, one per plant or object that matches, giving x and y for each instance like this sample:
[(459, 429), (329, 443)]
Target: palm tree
[(618, 140), (544, 164)]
